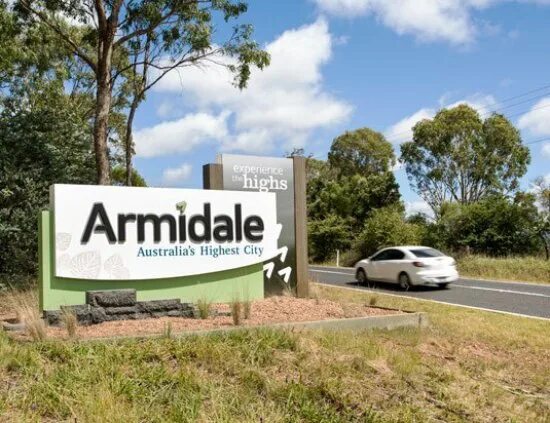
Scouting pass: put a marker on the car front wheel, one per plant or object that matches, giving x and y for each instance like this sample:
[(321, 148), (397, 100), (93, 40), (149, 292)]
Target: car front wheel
[(443, 285), (404, 281), (361, 277)]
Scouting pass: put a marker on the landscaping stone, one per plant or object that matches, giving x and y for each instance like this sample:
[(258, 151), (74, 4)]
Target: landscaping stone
[(114, 305), (160, 305), (114, 298), (121, 310)]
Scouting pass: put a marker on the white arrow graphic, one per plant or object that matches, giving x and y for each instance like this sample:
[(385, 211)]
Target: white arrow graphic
[(283, 251), (279, 228), (285, 273), (268, 268)]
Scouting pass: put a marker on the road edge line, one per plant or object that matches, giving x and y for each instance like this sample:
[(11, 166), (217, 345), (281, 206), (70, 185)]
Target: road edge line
[(509, 313)]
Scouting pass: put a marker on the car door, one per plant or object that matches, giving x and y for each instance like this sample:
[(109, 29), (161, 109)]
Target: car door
[(391, 266), (374, 268)]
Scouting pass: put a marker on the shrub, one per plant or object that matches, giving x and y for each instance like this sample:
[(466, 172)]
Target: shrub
[(387, 227), (326, 236)]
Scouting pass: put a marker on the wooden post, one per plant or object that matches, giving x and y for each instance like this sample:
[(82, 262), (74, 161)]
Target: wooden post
[(212, 176), (300, 224)]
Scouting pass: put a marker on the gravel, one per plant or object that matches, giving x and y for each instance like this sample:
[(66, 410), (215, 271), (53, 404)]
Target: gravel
[(271, 310)]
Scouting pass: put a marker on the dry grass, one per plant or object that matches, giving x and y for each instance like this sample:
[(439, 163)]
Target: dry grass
[(69, 321), (247, 309), (469, 366), (236, 311), (523, 269), (24, 304)]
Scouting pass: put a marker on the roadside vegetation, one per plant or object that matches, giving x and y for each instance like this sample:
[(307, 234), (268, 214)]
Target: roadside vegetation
[(464, 368), (354, 204), (519, 269), (523, 269)]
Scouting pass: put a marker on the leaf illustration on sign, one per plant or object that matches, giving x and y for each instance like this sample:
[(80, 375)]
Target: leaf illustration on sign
[(86, 265), (268, 269), (282, 252), (62, 240), (121, 273), (64, 262), (285, 273), (181, 206)]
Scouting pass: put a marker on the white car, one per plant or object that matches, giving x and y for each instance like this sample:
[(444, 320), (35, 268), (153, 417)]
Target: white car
[(408, 266)]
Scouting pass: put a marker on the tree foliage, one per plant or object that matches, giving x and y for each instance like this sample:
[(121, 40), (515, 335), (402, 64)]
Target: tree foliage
[(121, 39), (344, 191), (457, 156), (495, 226), (38, 146), (387, 227), (361, 152)]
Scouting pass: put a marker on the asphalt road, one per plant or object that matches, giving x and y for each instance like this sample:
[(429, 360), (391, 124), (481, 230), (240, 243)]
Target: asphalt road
[(512, 297)]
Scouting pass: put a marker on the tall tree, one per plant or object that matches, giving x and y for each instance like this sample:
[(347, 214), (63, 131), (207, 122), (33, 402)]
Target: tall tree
[(457, 156), (362, 152), (343, 192), (182, 31)]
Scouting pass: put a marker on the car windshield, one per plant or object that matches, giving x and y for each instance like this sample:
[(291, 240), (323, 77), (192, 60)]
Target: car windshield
[(426, 252)]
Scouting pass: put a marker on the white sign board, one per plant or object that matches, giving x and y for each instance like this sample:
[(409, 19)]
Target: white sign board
[(121, 233)]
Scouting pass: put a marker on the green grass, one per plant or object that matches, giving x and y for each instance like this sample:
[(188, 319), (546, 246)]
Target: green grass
[(526, 269), (469, 366)]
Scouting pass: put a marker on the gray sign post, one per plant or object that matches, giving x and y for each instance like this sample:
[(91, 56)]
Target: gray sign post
[(286, 178)]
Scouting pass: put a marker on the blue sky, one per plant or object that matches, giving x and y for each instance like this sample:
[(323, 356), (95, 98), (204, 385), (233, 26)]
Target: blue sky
[(346, 64)]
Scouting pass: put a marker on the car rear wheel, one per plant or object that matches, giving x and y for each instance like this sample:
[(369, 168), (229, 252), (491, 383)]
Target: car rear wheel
[(361, 277), (404, 281)]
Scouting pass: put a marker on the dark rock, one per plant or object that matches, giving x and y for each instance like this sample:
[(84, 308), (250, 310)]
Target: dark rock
[(14, 327), (98, 315), (159, 305), (121, 310), (81, 311), (52, 317), (114, 298)]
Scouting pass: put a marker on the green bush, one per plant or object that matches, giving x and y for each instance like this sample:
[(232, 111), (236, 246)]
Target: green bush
[(496, 226), (328, 235), (38, 147), (387, 227)]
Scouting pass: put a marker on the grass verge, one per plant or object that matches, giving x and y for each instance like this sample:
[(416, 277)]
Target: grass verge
[(519, 269), (523, 269), (469, 366)]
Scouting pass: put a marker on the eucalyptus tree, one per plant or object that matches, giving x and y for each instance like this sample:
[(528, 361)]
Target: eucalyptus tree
[(459, 157), (144, 34)]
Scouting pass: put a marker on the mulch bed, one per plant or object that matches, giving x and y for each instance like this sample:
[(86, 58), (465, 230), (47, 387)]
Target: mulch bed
[(280, 309)]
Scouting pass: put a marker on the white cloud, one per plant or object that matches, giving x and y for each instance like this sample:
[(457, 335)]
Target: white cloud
[(545, 150), (180, 135), (282, 105), (402, 130), (177, 175), (428, 20), (537, 120), (418, 206)]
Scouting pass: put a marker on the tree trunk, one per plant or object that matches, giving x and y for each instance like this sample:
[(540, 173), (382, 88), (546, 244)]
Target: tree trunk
[(103, 108), (129, 142), (101, 124)]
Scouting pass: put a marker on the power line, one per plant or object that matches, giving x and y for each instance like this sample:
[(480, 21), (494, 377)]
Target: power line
[(396, 137), (537, 141), (489, 112)]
